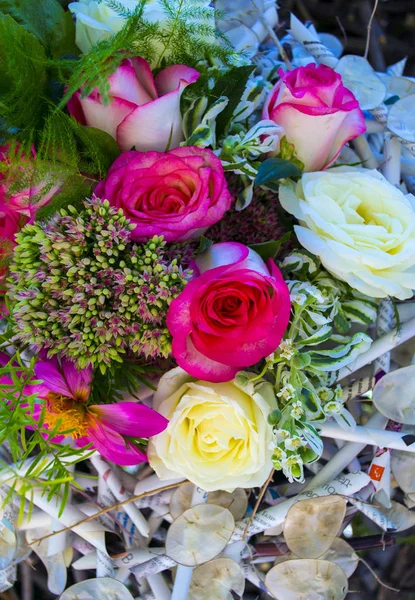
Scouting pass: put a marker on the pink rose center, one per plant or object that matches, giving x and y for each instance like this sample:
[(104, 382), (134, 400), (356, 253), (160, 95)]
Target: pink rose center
[(168, 195)]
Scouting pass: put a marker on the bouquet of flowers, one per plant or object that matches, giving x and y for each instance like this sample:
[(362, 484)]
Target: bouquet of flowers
[(208, 249)]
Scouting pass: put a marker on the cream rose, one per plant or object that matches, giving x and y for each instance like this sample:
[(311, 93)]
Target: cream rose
[(218, 436), (360, 226), (96, 21)]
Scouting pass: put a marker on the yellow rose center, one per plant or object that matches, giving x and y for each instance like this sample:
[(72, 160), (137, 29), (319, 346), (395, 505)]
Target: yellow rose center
[(68, 414)]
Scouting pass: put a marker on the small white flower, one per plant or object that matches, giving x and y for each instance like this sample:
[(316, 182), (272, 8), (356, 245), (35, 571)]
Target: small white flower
[(294, 443), (285, 349), (297, 410), (279, 454), (338, 393), (293, 468), (280, 435), (333, 407), (286, 393), (325, 394)]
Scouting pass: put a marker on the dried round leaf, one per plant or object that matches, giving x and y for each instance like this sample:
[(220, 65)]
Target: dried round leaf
[(236, 501), (217, 579), (307, 579), (403, 469), (8, 543), (341, 553), (398, 86), (102, 587), (393, 394), (311, 525), (401, 118), (361, 79), (181, 499), (199, 534)]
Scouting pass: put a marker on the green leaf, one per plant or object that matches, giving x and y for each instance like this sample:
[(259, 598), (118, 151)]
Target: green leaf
[(319, 337), (311, 435), (341, 356), (99, 143), (274, 169), (232, 85), (267, 250), (204, 244), (47, 21)]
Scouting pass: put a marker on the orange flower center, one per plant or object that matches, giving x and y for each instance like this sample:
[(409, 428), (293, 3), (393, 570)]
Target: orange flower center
[(68, 414)]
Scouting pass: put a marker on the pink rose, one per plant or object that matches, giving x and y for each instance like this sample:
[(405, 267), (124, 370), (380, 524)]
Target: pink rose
[(174, 194), (17, 206), (229, 317), (317, 113), (144, 112)]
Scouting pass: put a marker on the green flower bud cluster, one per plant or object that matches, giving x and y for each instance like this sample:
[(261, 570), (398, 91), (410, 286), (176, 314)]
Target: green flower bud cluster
[(82, 289)]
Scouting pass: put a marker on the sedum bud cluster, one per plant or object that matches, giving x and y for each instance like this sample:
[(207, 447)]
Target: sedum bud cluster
[(82, 289)]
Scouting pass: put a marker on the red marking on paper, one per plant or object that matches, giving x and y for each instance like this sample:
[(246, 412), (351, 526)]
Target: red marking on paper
[(376, 472)]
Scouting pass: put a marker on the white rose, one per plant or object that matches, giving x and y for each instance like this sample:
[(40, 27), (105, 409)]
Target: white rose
[(218, 436), (360, 226), (96, 21)]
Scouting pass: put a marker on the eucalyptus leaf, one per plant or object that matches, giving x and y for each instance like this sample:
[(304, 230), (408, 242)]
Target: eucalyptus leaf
[(311, 525), (274, 169), (394, 395), (361, 79), (306, 579), (102, 587)]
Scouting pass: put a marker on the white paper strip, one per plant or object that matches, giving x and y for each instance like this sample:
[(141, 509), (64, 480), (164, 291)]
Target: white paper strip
[(120, 494), (312, 43), (396, 440)]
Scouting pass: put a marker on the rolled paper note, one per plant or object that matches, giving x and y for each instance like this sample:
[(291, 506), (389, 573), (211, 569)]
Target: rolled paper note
[(132, 558), (374, 515), (312, 43), (92, 531), (104, 566), (395, 440), (153, 483), (120, 494), (357, 388)]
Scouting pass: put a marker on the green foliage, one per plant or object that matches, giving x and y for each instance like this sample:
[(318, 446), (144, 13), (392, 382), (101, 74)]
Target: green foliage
[(184, 37), (274, 169), (232, 85), (24, 80), (267, 250), (47, 21)]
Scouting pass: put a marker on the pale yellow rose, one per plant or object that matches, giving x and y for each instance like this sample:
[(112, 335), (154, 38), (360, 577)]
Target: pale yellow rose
[(218, 436), (360, 226)]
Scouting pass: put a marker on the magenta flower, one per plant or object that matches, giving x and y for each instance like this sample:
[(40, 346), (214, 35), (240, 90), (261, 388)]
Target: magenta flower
[(175, 194), (109, 427), (233, 314)]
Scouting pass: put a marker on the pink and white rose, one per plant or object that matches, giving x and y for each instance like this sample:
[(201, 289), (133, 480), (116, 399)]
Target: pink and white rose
[(144, 112), (317, 113), (231, 316), (175, 194)]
